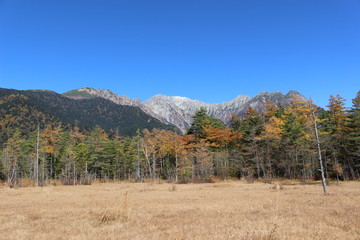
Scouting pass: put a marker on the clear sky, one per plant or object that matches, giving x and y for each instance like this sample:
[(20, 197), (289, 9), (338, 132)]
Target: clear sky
[(209, 50)]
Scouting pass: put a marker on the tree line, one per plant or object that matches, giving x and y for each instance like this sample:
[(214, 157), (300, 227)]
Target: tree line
[(278, 142)]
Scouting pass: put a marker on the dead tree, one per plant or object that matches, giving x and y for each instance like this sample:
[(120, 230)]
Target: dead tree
[(323, 179), (36, 165)]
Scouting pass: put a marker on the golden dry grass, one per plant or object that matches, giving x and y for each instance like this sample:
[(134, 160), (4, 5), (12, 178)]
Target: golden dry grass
[(225, 210)]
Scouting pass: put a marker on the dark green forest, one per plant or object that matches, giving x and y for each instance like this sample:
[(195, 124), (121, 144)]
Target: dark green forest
[(43, 145)]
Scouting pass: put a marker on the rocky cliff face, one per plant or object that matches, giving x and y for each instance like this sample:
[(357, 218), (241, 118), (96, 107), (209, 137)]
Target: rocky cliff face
[(179, 110)]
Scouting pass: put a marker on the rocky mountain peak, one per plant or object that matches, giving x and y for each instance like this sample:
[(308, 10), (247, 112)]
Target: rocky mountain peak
[(293, 93), (82, 93)]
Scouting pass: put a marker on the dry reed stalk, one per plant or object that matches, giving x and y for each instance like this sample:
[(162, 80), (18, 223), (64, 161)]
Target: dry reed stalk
[(227, 210)]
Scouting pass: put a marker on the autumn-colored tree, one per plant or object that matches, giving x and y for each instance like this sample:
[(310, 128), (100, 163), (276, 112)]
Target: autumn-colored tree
[(337, 114), (271, 137), (50, 149), (217, 137), (184, 147), (168, 154), (202, 163), (11, 156)]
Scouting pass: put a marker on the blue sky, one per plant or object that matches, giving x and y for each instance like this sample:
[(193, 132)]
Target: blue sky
[(208, 50)]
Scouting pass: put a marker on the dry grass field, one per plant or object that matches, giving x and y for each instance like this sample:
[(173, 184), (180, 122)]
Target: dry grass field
[(224, 210)]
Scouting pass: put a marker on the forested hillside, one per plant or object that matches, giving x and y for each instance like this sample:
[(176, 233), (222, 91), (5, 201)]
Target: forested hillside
[(24, 110), (278, 142)]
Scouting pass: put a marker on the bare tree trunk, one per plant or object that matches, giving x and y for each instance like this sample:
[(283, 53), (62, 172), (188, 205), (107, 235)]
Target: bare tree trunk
[(319, 154), (194, 167), (176, 161), (7, 166), (43, 171), (154, 166), (36, 167), (13, 179), (74, 172), (138, 163), (226, 163), (51, 165), (146, 154)]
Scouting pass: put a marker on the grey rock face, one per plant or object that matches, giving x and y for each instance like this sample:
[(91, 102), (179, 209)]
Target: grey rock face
[(179, 110)]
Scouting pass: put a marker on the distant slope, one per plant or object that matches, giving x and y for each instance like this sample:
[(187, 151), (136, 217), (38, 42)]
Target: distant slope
[(87, 93), (24, 109)]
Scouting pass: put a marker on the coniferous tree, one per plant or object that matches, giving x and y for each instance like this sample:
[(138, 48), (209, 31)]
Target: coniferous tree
[(339, 141), (354, 134), (200, 120)]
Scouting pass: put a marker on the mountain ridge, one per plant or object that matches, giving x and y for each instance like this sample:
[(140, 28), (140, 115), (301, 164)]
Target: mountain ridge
[(178, 110)]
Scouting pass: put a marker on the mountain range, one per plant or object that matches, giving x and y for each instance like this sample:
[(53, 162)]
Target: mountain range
[(178, 111), (88, 107)]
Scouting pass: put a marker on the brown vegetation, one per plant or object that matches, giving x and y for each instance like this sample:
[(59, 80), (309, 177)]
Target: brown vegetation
[(225, 210)]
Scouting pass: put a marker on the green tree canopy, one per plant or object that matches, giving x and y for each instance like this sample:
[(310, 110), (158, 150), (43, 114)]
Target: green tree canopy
[(200, 120)]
